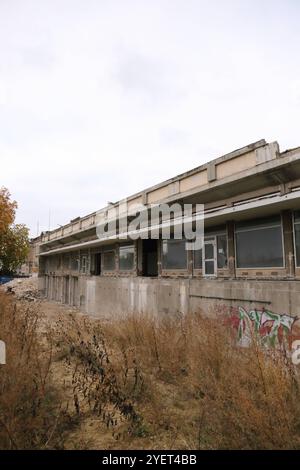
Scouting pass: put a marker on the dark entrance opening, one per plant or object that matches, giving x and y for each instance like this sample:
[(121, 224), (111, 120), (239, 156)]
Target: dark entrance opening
[(97, 264), (150, 259)]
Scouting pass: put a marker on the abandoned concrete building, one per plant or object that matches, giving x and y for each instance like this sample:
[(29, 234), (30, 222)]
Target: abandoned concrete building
[(31, 265), (251, 254)]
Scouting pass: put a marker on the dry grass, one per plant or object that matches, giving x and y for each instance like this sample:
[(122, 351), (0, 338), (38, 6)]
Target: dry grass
[(182, 384), (139, 383)]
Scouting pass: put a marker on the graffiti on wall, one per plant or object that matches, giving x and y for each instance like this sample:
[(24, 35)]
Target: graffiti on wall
[(272, 327)]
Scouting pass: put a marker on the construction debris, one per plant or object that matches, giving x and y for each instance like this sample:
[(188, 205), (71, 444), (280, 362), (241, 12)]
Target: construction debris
[(23, 289)]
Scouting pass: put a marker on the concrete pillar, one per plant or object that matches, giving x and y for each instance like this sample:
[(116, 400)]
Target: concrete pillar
[(231, 248), (288, 242)]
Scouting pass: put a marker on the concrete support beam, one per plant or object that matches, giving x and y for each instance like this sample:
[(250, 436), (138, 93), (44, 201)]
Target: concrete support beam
[(211, 172), (288, 241)]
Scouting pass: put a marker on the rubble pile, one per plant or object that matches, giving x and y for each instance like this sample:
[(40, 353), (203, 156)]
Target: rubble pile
[(23, 289)]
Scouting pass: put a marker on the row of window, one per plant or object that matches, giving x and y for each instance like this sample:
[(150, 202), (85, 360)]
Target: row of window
[(258, 244)]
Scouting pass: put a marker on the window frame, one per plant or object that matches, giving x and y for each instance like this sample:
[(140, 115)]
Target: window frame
[(215, 234), (282, 244), (123, 247), (164, 268), (104, 270)]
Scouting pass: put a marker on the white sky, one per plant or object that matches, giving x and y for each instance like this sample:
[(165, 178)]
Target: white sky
[(102, 98)]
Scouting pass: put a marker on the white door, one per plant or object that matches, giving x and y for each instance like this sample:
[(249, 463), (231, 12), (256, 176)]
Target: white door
[(210, 257)]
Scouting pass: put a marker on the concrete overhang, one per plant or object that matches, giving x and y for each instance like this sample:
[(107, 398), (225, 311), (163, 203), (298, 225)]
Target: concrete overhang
[(282, 170), (275, 172), (258, 207), (70, 237)]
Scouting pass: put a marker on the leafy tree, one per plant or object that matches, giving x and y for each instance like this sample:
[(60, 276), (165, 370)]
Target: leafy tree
[(7, 210), (14, 241)]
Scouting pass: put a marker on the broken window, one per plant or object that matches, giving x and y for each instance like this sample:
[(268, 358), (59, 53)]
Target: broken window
[(259, 243), (174, 254), (126, 257), (109, 260)]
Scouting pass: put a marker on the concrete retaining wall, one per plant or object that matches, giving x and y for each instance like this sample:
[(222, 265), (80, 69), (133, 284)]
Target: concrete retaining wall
[(107, 297)]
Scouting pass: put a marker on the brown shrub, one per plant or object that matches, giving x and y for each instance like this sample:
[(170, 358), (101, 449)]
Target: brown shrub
[(187, 383), (139, 382)]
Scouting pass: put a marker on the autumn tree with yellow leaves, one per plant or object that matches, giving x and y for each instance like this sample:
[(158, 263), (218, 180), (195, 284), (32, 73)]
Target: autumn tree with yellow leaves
[(14, 241)]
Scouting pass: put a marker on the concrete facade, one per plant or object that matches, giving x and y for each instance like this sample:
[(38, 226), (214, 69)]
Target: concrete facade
[(31, 265), (251, 193)]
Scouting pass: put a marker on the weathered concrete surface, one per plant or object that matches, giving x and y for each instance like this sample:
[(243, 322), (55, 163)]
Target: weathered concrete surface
[(109, 297)]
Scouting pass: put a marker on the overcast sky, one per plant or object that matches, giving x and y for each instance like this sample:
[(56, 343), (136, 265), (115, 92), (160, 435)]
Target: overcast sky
[(102, 98)]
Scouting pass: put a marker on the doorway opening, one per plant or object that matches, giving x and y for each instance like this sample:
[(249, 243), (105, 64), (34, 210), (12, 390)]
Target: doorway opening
[(150, 257), (97, 264), (210, 257)]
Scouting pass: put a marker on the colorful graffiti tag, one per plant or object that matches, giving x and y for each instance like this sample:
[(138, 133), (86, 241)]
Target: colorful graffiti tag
[(272, 327)]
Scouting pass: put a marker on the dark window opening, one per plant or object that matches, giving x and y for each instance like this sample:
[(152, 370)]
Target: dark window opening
[(259, 243), (97, 261), (149, 258), (109, 261), (174, 254)]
